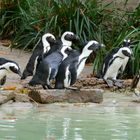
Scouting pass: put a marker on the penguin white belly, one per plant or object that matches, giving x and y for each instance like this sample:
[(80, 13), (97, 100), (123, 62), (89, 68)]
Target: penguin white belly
[(80, 67), (67, 79), (35, 64), (125, 61), (113, 69)]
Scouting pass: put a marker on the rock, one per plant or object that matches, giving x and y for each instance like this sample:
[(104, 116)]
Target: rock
[(6, 96), (21, 97), (70, 96)]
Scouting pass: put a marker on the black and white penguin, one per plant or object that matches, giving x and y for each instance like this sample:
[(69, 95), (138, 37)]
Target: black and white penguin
[(48, 67), (8, 66), (115, 62), (42, 48), (73, 65)]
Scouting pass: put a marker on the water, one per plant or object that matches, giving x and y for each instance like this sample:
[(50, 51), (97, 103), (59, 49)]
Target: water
[(69, 122)]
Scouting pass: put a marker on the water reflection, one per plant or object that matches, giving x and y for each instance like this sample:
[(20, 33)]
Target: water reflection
[(70, 123)]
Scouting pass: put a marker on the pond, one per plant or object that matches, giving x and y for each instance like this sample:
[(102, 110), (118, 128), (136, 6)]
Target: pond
[(111, 120)]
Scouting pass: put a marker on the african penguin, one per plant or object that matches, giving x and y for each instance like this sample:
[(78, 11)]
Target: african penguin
[(73, 65), (42, 48), (8, 66), (115, 62), (48, 67), (67, 70)]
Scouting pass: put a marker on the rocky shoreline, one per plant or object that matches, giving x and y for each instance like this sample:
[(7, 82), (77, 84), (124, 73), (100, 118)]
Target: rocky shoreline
[(85, 90), (52, 96)]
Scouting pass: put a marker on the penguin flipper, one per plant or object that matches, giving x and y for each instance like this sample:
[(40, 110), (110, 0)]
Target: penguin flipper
[(73, 75), (109, 82), (3, 80)]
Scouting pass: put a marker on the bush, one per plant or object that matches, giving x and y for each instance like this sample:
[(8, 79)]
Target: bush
[(25, 21)]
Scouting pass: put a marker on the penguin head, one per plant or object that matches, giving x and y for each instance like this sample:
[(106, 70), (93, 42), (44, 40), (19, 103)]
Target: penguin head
[(93, 46), (48, 40), (13, 67), (126, 43), (68, 38), (49, 37), (124, 52)]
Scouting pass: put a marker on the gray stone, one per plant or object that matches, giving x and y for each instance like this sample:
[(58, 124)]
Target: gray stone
[(6, 96), (71, 96)]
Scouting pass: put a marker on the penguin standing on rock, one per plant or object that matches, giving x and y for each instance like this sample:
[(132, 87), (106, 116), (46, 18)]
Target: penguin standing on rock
[(48, 67), (42, 48), (114, 63), (73, 65), (8, 66)]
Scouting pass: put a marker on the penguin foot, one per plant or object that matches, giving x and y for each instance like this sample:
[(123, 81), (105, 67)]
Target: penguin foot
[(47, 87), (109, 82), (118, 83), (44, 87), (112, 82)]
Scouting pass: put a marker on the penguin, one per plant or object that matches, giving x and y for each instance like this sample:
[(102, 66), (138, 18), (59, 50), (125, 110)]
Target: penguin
[(42, 48), (67, 70), (115, 62), (48, 67), (8, 66), (73, 65)]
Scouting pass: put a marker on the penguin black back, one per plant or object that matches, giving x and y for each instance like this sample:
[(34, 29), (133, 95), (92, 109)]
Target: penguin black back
[(68, 64), (43, 47)]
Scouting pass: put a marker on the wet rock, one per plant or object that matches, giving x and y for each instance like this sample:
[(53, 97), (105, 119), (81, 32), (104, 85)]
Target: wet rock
[(6, 96), (21, 97), (70, 96)]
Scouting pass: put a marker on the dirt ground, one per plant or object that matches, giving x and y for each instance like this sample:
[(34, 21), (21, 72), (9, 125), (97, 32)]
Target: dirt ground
[(131, 3)]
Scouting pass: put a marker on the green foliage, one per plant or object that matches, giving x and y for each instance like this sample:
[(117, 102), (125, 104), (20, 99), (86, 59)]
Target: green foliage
[(24, 21)]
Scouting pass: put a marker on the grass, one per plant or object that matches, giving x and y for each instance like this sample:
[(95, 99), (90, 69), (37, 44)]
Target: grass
[(25, 21)]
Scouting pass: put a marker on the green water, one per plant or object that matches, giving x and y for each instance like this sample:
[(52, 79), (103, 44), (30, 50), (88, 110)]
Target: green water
[(69, 122)]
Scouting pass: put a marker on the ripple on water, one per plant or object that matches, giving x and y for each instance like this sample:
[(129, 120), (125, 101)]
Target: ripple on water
[(71, 122)]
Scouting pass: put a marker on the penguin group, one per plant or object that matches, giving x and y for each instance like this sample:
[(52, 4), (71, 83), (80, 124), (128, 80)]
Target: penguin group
[(62, 63), (56, 64)]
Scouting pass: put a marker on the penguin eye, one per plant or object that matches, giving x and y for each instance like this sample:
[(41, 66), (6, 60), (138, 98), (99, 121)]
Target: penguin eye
[(13, 69)]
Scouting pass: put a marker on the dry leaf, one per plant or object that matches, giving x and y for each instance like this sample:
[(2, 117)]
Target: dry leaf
[(9, 88)]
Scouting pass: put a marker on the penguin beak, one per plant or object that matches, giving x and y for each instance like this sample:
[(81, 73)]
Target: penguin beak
[(96, 47), (75, 39), (19, 73)]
